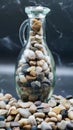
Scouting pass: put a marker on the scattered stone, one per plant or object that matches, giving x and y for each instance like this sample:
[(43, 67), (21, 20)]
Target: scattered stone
[(39, 114), (14, 124), (33, 108), (37, 103), (29, 54), (3, 112), (69, 97), (62, 125), (39, 55), (24, 112), (32, 120), (71, 101), (64, 113), (2, 124), (45, 126), (34, 127), (2, 118), (70, 115), (27, 127)]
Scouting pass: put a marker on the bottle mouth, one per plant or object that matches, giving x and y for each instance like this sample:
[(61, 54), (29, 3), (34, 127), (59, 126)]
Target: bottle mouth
[(36, 10)]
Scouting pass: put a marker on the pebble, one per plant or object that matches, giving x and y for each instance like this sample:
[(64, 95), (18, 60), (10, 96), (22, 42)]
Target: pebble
[(2, 105), (32, 120), (45, 126), (22, 78), (45, 66), (37, 103), (62, 125), (34, 127), (23, 122), (52, 114), (38, 70), (24, 112), (24, 104), (57, 109), (52, 103), (64, 113), (70, 126), (2, 124), (33, 108), (3, 112), (39, 114), (70, 115), (2, 118), (32, 63), (29, 54), (27, 127), (69, 97), (12, 110), (39, 55), (71, 101), (14, 124), (59, 117)]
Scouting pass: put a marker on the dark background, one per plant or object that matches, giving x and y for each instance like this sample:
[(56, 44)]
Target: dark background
[(59, 34)]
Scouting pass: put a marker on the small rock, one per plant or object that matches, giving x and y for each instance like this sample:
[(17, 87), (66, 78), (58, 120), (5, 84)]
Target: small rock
[(39, 114), (8, 96), (17, 118), (40, 76), (28, 77), (32, 120), (70, 115), (9, 118), (34, 127), (59, 117), (57, 109), (3, 112), (70, 126), (40, 62), (24, 112), (53, 119), (29, 54), (12, 110), (16, 128), (35, 84), (37, 103), (2, 118), (39, 55), (62, 125), (52, 103), (27, 127), (22, 78), (2, 105), (39, 120), (52, 114), (45, 66), (45, 126), (69, 97), (14, 124), (23, 122), (24, 104), (48, 60), (33, 108), (71, 101), (2, 124), (32, 63), (64, 113), (38, 70)]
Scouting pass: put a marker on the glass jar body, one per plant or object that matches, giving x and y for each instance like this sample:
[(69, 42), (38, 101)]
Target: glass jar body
[(35, 68)]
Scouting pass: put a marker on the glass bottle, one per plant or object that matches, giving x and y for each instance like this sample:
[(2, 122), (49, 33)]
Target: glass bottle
[(35, 68)]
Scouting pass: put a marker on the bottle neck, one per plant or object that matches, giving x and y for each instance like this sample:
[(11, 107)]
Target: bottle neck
[(37, 30)]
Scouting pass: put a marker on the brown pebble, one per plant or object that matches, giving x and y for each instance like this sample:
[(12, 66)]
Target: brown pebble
[(27, 127), (32, 108), (39, 114)]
